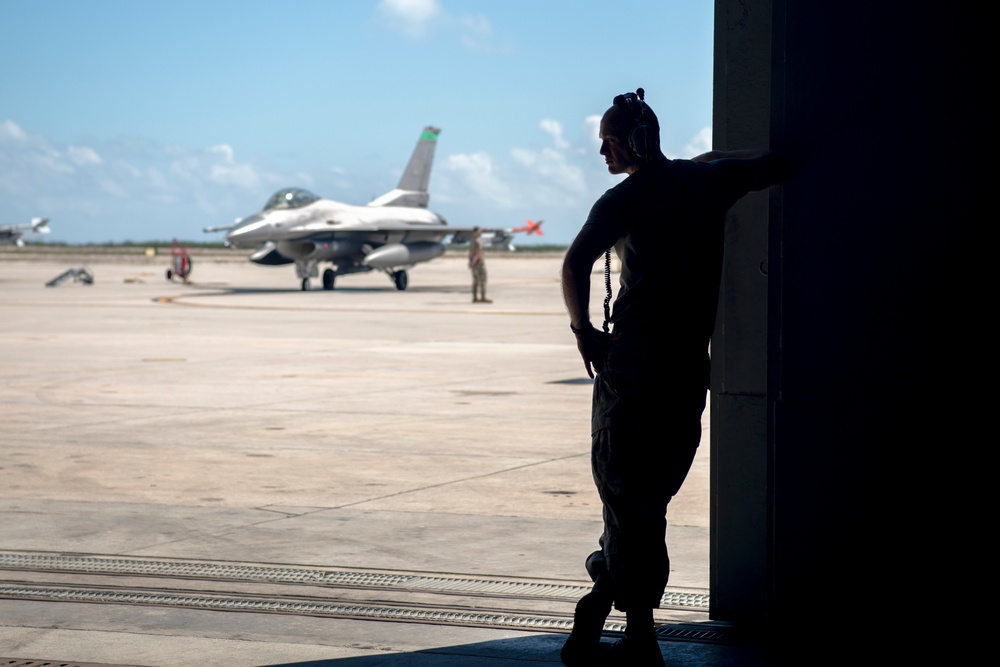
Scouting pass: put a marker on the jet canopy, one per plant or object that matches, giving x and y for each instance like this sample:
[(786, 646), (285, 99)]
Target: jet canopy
[(290, 198)]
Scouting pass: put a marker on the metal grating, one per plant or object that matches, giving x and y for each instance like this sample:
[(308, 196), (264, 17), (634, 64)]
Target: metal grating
[(322, 576), (274, 605), (689, 633)]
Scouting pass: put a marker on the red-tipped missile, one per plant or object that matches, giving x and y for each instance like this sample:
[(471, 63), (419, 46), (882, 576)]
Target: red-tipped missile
[(531, 228)]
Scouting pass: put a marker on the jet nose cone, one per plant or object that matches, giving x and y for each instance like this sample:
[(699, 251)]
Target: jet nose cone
[(247, 230)]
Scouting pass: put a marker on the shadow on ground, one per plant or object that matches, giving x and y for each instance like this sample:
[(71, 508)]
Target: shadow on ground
[(543, 650), (538, 649)]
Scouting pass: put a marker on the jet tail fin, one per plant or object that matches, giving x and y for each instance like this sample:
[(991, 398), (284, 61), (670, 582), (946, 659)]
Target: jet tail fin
[(412, 188)]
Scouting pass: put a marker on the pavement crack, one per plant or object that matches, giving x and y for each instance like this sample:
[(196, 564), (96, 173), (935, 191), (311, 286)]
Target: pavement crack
[(427, 487)]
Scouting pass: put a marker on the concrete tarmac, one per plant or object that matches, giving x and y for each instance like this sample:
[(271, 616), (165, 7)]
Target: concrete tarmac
[(236, 472)]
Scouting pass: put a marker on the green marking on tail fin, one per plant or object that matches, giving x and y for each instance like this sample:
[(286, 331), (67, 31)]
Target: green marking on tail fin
[(429, 135)]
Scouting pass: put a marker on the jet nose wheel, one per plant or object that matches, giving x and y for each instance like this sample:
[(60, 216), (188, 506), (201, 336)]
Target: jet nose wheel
[(305, 284), (328, 277), (401, 280)]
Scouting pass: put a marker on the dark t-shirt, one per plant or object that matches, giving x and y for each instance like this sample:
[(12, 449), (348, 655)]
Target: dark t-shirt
[(666, 223)]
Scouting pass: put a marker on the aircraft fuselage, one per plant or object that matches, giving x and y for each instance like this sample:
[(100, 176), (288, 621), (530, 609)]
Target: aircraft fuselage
[(326, 230), (324, 218)]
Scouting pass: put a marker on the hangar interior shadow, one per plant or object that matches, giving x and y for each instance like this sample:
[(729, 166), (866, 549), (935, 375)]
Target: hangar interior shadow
[(542, 649), (847, 378)]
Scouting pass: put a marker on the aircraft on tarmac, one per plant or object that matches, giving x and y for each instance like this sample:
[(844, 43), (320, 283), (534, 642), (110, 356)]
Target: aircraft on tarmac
[(11, 234), (392, 233)]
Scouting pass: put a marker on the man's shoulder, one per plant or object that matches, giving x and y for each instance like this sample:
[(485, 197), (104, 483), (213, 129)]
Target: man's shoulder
[(614, 194)]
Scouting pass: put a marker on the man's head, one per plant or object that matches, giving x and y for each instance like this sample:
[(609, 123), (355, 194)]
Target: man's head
[(630, 133)]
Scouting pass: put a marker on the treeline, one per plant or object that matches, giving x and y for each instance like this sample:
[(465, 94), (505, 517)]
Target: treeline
[(218, 245)]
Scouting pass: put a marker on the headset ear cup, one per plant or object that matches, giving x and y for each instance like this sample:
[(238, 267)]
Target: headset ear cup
[(637, 140)]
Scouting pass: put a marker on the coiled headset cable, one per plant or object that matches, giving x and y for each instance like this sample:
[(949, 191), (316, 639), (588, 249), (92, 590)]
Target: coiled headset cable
[(607, 288)]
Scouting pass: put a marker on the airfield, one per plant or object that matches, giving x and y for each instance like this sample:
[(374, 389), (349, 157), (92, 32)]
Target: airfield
[(235, 472)]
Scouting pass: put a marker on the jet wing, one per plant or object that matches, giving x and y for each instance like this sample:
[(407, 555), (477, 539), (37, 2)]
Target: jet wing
[(495, 236), (490, 236), (13, 233)]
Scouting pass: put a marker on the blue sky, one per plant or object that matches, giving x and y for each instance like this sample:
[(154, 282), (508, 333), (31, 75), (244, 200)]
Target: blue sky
[(126, 120)]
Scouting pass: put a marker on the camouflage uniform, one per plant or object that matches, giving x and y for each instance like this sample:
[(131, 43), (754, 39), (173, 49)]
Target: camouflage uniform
[(477, 264)]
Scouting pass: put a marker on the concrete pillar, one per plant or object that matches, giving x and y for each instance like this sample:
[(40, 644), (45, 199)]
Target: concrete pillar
[(739, 505)]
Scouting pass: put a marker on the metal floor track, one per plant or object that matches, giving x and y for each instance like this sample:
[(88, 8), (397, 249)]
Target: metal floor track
[(420, 597)]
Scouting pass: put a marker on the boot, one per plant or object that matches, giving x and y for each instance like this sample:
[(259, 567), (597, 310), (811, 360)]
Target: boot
[(639, 648), (582, 648)]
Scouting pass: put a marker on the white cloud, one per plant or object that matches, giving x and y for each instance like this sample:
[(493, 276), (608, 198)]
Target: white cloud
[(412, 17), (112, 187), (157, 179), (592, 128), (554, 178), (225, 150), (82, 155), (128, 188), (476, 31), (558, 182), (47, 160), (11, 130), (700, 143), (216, 164), (413, 10), (418, 18), (229, 172), (476, 174), (241, 175), (554, 128)]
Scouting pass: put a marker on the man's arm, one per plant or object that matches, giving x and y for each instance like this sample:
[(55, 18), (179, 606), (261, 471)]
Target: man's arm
[(742, 154), (757, 169), (475, 253), (578, 264)]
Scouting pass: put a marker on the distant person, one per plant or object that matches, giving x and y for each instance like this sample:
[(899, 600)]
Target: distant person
[(477, 263), (665, 222)]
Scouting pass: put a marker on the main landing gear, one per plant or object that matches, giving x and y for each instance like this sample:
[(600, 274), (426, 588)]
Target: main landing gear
[(399, 278), (329, 276)]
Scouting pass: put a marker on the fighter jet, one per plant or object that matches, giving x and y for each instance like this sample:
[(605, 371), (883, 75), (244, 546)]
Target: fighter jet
[(11, 234), (391, 234)]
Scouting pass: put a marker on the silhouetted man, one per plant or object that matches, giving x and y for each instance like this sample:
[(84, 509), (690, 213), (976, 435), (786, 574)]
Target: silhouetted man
[(665, 222)]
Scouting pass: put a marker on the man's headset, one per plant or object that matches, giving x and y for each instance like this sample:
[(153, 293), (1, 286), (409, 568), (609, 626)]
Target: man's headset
[(638, 142), (638, 136)]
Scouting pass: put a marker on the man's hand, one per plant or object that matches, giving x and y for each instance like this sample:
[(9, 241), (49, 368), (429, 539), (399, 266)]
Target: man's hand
[(592, 343)]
